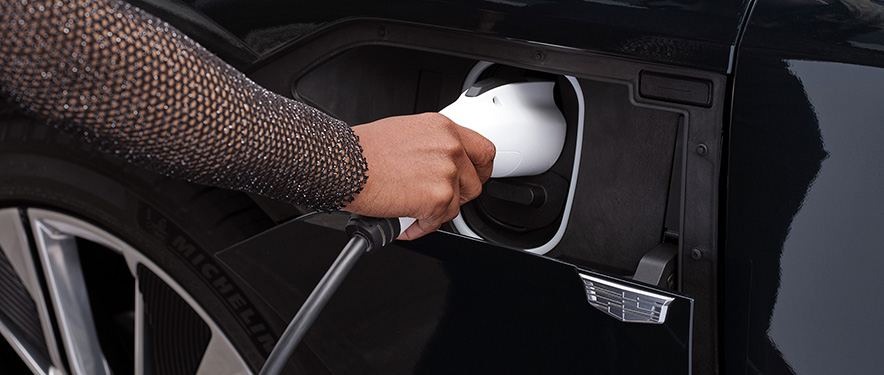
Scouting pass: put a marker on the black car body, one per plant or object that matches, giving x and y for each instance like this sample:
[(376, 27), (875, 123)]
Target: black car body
[(722, 155)]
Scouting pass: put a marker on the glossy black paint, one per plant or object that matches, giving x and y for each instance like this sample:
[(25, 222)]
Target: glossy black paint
[(470, 309), (800, 223), (804, 213), (688, 33), (695, 213)]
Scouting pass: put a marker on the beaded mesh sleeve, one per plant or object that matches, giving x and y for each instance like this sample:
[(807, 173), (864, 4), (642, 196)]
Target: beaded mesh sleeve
[(138, 88)]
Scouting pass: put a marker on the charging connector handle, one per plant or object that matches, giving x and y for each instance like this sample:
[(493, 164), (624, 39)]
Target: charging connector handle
[(366, 234)]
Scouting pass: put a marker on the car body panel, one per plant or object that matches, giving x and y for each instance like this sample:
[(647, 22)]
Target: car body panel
[(796, 188), (451, 304), (796, 219), (698, 34), (803, 233)]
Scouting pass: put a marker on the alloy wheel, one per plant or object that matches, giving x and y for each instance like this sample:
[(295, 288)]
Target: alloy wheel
[(79, 300)]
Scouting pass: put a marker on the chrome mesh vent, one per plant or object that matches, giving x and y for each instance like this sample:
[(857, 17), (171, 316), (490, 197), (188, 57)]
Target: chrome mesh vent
[(626, 303)]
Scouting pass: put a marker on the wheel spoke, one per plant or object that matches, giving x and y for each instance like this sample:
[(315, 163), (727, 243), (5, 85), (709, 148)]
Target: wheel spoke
[(221, 359), (14, 245), (67, 291), (141, 346)]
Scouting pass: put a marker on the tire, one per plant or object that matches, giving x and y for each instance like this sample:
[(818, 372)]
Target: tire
[(174, 226)]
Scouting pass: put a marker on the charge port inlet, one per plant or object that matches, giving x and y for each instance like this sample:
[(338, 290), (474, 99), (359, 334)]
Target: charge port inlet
[(530, 212)]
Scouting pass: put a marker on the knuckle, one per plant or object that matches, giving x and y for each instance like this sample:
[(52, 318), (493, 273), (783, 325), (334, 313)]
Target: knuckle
[(441, 197), (448, 171), (435, 119), (489, 151), (471, 191), (486, 154), (439, 118), (451, 146)]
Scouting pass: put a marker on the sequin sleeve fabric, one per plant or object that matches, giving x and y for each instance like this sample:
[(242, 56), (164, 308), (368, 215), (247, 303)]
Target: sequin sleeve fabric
[(136, 87)]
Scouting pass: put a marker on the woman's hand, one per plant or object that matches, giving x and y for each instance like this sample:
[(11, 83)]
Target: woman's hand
[(421, 166)]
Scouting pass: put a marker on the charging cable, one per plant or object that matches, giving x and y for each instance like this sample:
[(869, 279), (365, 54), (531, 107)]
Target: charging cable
[(366, 234)]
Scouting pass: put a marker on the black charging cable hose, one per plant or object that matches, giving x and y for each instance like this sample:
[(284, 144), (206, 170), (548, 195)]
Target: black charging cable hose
[(366, 234)]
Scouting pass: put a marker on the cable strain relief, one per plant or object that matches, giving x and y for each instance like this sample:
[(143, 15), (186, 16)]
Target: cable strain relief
[(379, 232)]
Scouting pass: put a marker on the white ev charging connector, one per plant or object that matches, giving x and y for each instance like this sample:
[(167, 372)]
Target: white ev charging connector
[(521, 119)]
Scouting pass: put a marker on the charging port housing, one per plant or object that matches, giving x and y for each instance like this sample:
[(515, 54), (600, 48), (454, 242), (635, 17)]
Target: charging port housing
[(612, 197)]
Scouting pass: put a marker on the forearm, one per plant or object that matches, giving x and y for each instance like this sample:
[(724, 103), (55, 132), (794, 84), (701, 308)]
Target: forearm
[(137, 87)]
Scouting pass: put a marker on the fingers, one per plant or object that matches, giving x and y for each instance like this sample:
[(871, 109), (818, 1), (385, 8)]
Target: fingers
[(417, 230), (422, 227), (422, 166), (468, 179), (474, 164), (480, 151)]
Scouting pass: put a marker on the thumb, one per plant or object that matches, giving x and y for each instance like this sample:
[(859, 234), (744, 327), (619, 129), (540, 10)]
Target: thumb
[(415, 230)]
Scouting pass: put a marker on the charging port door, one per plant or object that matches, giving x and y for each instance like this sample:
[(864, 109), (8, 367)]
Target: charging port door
[(453, 304)]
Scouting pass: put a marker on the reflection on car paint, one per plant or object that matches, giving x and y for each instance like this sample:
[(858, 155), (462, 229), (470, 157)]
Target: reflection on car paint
[(826, 298), (803, 214)]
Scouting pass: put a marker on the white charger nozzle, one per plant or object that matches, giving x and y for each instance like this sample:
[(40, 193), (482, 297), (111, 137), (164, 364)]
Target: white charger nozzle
[(521, 119)]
